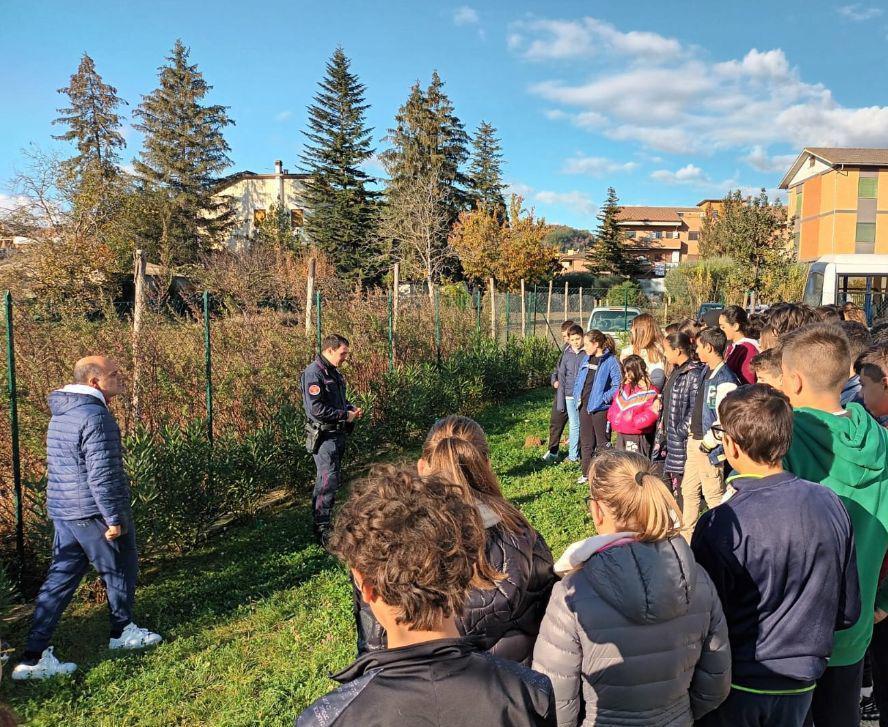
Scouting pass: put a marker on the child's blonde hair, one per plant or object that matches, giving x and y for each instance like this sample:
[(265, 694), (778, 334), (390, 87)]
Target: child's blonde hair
[(638, 499)]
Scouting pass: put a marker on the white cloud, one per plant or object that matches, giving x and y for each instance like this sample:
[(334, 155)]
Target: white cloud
[(596, 166), (464, 15), (858, 12), (574, 201), (688, 174), (682, 102), (542, 39), (9, 202), (758, 158), (283, 116)]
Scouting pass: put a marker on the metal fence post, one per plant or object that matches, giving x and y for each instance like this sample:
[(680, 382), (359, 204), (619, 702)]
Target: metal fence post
[(14, 431), (534, 304), (391, 335), (208, 363), (508, 313), (625, 308), (318, 308)]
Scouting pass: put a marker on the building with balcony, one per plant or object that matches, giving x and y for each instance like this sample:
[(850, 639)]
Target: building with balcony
[(839, 200), (664, 236), (253, 195)]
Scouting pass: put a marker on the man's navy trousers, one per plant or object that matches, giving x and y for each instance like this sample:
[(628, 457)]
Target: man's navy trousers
[(328, 460), (76, 544)]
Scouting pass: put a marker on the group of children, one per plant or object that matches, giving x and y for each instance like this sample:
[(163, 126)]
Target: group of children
[(759, 612)]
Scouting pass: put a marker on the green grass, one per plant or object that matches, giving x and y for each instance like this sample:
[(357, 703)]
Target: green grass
[(257, 619)]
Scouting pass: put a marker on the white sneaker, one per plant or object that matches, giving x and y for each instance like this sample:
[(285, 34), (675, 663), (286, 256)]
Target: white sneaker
[(135, 638), (550, 457), (582, 480), (48, 666)]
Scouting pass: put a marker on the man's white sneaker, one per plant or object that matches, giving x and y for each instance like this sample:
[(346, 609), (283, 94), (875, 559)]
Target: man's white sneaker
[(48, 666), (582, 480), (135, 638), (550, 457)]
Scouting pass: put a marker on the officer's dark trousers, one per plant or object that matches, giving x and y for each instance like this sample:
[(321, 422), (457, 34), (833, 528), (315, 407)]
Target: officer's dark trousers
[(837, 697), (328, 462), (76, 544)]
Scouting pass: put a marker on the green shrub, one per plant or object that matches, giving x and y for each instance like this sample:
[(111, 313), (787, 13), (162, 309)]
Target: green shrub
[(627, 293)]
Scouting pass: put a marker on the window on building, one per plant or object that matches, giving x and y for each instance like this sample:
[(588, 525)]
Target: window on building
[(297, 218), (866, 187), (798, 205), (258, 216), (630, 234), (657, 234), (676, 235), (796, 241), (866, 232), (810, 161), (693, 235)]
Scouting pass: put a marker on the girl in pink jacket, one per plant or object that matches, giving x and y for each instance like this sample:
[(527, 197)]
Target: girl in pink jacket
[(634, 412)]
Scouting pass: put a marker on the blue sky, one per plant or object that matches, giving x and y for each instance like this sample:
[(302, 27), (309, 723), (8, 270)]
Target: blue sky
[(668, 102)]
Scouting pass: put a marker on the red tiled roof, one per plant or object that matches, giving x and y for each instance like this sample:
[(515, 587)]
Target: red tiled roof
[(652, 214)]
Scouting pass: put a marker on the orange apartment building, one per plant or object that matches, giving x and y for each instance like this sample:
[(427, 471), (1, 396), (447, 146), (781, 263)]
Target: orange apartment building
[(839, 200)]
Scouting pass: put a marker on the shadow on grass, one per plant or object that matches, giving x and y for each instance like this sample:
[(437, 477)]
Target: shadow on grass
[(247, 563)]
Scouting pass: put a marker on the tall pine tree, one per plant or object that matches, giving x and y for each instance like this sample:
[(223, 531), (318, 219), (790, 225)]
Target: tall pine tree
[(342, 212), (609, 253), (92, 121), (485, 171), (428, 140), (183, 153)]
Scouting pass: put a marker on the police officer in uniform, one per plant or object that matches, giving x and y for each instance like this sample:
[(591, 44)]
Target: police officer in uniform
[(329, 418)]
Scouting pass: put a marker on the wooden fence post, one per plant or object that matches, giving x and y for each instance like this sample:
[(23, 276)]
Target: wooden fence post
[(492, 309), (549, 304), (139, 265), (566, 293), (309, 294)]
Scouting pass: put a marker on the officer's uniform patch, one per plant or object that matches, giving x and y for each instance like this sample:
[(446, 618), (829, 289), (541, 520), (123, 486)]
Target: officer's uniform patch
[(314, 389)]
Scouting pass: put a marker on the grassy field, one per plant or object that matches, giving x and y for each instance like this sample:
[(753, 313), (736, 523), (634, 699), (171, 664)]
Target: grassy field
[(257, 619)]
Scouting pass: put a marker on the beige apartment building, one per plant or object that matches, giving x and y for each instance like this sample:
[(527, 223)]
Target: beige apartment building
[(253, 195)]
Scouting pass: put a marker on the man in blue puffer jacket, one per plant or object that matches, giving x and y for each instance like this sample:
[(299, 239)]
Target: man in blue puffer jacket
[(88, 499)]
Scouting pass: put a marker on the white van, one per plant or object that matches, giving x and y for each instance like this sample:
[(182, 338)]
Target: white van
[(861, 279)]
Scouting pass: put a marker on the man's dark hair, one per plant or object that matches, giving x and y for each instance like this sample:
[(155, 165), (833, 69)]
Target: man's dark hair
[(859, 337), (829, 313), (786, 317), (759, 419), (333, 341), (575, 330), (416, 540), (767, 362), (820, 352), (566, 326), (873, 363), (716, 338)]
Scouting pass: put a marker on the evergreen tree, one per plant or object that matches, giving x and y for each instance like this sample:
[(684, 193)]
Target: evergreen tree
[(92, 121), (184, 151), (428, 142), (485, 170), (608, 253), (341, 218)]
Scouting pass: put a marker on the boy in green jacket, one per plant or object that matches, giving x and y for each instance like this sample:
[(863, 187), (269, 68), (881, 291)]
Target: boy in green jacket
[(847, 451)]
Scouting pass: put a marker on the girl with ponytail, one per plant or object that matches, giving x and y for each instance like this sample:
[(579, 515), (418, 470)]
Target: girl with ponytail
[(634, 633), (505, 620)]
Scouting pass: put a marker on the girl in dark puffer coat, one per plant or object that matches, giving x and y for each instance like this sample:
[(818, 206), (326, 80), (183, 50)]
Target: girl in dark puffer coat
[(679, 395), (506, 619)]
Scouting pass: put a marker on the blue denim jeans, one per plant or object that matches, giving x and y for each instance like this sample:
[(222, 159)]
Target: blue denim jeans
[(76, 544), (573, 432)]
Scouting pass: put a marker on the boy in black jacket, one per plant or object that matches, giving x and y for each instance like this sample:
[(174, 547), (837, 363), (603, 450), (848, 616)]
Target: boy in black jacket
[(781, 554), (414, 548)]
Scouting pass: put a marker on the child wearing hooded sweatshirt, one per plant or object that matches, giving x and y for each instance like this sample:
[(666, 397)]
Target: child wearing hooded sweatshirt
[(847, 451), (634, 633), (741, 349), (635, 409)]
